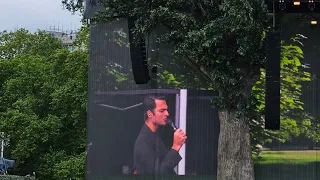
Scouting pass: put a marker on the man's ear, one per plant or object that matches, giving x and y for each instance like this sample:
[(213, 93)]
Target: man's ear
[(149, 113)]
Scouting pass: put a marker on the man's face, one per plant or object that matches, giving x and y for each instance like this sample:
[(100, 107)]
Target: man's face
[(160, 114)]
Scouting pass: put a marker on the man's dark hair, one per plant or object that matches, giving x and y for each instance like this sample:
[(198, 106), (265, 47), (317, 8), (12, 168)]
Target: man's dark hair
[(150, 104)]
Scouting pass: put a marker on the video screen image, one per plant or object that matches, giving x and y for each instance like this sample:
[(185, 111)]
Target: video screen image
[(119, 137), (123, 115)]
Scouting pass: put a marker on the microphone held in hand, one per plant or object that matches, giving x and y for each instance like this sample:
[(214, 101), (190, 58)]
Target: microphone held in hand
[(169, 121), (174, 127)]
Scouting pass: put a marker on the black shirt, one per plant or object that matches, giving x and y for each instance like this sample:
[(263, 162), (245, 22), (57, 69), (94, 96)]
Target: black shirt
[(151, 156)]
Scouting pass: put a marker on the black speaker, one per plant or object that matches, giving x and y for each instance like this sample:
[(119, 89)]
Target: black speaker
[(272, 98), (138, 53)]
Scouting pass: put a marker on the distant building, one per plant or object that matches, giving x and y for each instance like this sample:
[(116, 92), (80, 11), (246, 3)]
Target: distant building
[(67, 38)]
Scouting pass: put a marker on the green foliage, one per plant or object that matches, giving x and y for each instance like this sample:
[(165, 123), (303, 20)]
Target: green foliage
[(221, 39), (222, 43), (73, 5), (43, 95), (21, 41), (294, 120), (82, 40), (182, 79), (72, 167)]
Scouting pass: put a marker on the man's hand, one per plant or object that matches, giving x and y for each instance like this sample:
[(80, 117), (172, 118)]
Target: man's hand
[(178, 139)]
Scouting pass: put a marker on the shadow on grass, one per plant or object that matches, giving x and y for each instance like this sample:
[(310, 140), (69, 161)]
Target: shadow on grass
[(309, 171)]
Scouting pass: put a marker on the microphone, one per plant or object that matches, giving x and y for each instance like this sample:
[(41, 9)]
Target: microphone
[(174, 127)]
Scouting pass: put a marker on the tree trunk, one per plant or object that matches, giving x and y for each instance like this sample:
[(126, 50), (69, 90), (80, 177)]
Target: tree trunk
[(234, 151)]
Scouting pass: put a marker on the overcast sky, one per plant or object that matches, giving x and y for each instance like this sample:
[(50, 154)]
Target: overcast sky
[(36, 14)]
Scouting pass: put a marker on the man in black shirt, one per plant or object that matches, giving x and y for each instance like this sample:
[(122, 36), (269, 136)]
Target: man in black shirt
[(150, 154)]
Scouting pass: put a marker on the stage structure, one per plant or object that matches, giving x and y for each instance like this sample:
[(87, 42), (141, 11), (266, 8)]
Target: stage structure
[(115, 114)]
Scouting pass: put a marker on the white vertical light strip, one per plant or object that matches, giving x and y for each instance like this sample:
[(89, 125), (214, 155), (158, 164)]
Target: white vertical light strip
[(2, 144), (177, 119), (2, 148), (183, 126)]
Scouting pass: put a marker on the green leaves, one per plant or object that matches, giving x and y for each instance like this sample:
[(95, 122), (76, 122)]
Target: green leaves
[(72, 167), (220, 36), (294, 121), (43, 95), (14, 43), (223, 43), (73, 5)]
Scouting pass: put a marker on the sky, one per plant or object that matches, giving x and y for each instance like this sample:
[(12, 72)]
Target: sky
[(36, 14)]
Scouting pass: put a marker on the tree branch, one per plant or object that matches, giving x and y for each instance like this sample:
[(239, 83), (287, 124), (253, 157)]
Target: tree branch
[(202, 10), (200, 69)]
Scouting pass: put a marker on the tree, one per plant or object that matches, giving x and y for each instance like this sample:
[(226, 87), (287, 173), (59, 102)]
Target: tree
[(43, 95), (43, 90), (294, 120), (24, 107), (224, 41), (21, 41)]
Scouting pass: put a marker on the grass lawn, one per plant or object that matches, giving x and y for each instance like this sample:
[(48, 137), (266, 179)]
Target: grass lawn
[(288, 165), (288, 157)]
